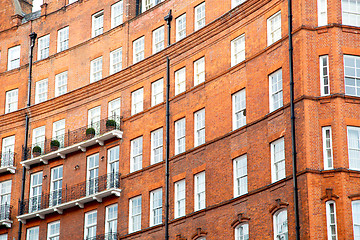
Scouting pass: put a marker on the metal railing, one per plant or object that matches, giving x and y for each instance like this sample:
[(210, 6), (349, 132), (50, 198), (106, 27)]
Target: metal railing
[(70, 193), (106, 236), (5, 211), (7, 159)]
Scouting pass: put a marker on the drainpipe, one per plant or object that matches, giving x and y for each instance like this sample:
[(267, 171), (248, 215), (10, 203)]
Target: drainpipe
[(292, 109), (25, 152), (168, 19)]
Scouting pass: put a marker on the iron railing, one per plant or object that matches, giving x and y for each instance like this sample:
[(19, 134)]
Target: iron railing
[(70, 193), (106, 236), (5, 211), (7, 159)]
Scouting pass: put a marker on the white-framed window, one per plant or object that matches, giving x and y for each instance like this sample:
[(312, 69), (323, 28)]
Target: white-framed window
[(158, 39), (199, 16), (242, 232), (92, 175), (276, 92), (354, 147), (327, 147), (90, 225), (41, 90), (35, 192), (324, 75), (11, 101), (352, 75), (235, 3), (199, 126), (56, 186), (135, 214), (113, 167), (322, 12), (180, 81), (61, 83), (278, 160), (199, 71), (7, 155), (53, 231), (240, 176), (356, 218), (94, 115), (147, 4), (136, 154), (156, 207), (157, 92), (111, 221), (96, 69), (331, 220), (3, 237), (13, 58), (350, 12), (5, 198), (63, 39), (32, 233), (43, 47), (114, 109), (116, 61), (36, 5), (138, 49), (238, 50), (239, 109), (199, 183), (97, 23), (38, 138), (180, 198), (181, 27), (180, 133), (280, 225), (274, 28), (157, 146), (117, 14), (137, 98)]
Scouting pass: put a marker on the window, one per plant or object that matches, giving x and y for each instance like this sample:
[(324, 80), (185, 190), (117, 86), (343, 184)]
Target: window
[(199, 16), (156, 207), (13, 58), (53, 231), (180, 81), (322, 12), (38, 138), (116, 61), (116, 14), (11, 101), (199, 122), (280, 225), (238, 50), (157, 88), (136, 154), (239, 109), (157, 146), (354, 147), (32, 233), (274, 28), (3, 237), (94, 118), (138, 50), (199, 71), (180, 136), (92, 174), (352, 75), (63, 39), (242, 232), (113, 167), (96, 69), (111, 222), (180, 195), (276, 94), (7, 156), (181, 27), (114, 110), (90, 225), (324, 75), (43, 47), (235, 3), (137, 101), (240, 176), (158, 39), (351, 12), (327, 148), (5, 197), (36, 5), (356, 219), (147, 4), (199, 180), (35, 192), (61, 83), (97, 23), (134, 214), (331, 220), (41, 91), (56, 186), (278, 160)]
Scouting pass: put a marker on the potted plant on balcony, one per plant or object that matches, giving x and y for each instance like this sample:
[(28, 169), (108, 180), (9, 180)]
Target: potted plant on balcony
[(54, 145), (36, 151), (90, 132), (110, 124)]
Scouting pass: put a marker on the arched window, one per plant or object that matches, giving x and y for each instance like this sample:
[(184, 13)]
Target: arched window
[(280, 225), (242, 232)]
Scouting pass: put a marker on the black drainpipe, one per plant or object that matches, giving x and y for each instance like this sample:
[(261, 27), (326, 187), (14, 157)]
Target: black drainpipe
[(292, 109), (168, 19), (25, 148)]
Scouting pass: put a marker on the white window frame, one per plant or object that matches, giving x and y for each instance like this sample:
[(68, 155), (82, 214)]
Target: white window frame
[(155, 207), (180, 199), (147, 4), (240, 176), (277, 234), (41, 90), (199, 193), (158, 39), (274, 31), (138, 49), (239, 109), (113, 167), (92, 174), (331, 220), (116, 60), (157, 92), (5, 197), (8, 150), (137, 101), (38, 138), (354, 161), (322, 12), (111, 221), (88, 225), (38, 194), (355, 207), (43, 47), (324, 75), (200, 14), (117, 12), (242, 231), (180, 81), (199, 71), (114, 107), (13, 57), (134, 216), (4, 236), (353, 11), (327, 147), (157, 146), (274, 171), (278, 91), (63, 39), (136, 154), (94, 118), (199, 127), (56, 185), (181, 27), (33, 230), (61, 83), (238, 50), (11, 100), (349, 73), (97, 19), (96, 69), (180, 136), (53, 235)]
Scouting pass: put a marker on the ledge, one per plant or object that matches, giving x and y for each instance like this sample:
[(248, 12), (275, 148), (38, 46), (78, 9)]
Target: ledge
[(10, 169), (6, 222)]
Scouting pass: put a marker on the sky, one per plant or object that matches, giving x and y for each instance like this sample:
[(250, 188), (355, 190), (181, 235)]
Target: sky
[(36, 5)]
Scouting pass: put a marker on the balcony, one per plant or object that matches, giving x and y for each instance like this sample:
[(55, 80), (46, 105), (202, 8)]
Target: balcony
[(73, 141), (106, 236), (5, 213), (7, 162), (77, 195)]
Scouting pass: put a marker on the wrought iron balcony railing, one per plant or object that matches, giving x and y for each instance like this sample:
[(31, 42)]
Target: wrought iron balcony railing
[(7, 160), (5, 214), (106, 236)]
